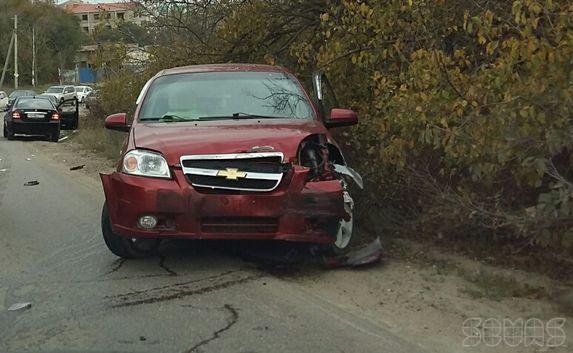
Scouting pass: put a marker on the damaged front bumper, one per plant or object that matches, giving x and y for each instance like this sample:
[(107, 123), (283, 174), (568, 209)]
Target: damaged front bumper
[(297, 210)]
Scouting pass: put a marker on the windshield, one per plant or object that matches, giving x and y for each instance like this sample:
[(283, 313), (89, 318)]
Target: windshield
[(22, 94), (224, 95), (31, 103), (55, 89)]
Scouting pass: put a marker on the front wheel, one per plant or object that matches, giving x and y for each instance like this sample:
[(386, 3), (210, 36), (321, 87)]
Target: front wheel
[(343, 230), (127, 248)]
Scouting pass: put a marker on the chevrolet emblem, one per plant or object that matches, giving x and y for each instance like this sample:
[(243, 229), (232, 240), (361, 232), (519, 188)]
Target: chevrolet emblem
[(231, 174)]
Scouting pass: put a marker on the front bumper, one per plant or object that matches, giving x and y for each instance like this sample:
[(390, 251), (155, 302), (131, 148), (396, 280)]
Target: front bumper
[(34, 127), (296, 211)]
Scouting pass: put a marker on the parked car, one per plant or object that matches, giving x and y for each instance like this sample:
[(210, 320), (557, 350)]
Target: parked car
[(229, 152), (62, 93), (49, 97), (82, 92), (20, 93), (69, 111), (3, 100), (32, 116), (91, 98)]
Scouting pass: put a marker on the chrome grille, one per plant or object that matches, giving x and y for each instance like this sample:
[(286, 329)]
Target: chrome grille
[(256, 171)]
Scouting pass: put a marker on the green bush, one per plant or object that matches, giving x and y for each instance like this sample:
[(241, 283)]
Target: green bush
[(465, 106)]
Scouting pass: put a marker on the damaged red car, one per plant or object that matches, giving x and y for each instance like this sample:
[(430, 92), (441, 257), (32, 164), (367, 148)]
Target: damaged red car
[(231, 151)]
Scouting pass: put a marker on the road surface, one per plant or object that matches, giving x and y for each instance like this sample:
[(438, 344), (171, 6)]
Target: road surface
[(195, 297)]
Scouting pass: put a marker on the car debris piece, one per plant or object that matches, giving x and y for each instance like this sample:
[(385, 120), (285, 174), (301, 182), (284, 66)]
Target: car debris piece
[(19, 306), (32, 183), (346, 170), (78, 167), (28, 159), (3, 170), (366, 255)]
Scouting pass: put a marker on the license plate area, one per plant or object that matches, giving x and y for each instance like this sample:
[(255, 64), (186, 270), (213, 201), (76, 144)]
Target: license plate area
[(36, 115)]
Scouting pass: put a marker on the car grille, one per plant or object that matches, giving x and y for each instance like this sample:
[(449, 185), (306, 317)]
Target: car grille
[(238, 225), (244, 171)]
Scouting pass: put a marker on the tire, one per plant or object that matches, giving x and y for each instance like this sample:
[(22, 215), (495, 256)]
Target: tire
[(55, 136), (7, 133), (122, 246), (343, 231)]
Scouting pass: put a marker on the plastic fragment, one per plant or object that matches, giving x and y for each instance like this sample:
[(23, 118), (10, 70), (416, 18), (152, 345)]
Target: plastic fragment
[(366, 255), (32, 183), (19, 306), (78, 167)]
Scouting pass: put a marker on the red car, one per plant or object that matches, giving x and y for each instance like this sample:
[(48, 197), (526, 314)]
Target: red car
[(231, 151)]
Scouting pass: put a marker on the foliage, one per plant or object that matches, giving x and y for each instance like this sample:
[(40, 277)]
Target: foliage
[(57, 37), (465, 105)]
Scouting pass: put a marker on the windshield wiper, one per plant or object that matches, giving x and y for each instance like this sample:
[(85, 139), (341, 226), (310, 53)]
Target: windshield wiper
[(239, 115), (169, 118)]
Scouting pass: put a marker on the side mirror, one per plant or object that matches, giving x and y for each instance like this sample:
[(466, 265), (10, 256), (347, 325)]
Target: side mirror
[(341, 117), (117, 122)]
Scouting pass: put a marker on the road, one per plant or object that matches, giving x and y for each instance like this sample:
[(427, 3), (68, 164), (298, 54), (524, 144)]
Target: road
[(194, 297)]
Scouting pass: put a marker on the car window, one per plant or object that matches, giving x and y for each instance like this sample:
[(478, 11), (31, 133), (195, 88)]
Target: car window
[(32, 103), (222, 94), (54, 89)]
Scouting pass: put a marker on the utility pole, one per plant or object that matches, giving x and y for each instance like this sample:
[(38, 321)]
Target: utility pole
[(16, 52), (7, 60), (33, 56)]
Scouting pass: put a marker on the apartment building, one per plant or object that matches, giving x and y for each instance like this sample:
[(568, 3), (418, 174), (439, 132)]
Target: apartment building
[(108, 15)]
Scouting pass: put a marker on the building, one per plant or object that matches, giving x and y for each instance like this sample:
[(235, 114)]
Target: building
[(107, 15)]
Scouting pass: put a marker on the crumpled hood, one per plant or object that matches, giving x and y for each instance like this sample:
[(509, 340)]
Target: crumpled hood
[(174, 140)]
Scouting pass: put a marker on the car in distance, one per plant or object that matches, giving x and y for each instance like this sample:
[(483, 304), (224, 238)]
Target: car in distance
[(62, 93), (229, 152), (82, 92), (91, 98), (20, 93), (32, 116)]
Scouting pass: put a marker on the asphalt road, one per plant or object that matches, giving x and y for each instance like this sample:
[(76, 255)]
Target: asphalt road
[(195, 297)]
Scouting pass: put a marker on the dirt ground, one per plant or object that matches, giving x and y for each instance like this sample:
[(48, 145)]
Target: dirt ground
[(422, 294)]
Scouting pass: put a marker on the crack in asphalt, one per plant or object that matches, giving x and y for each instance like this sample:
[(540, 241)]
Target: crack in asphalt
[(230, 322), (118, 264), (184, 292), (162, 259)]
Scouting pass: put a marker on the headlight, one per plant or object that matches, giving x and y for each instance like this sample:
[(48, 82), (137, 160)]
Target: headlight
[(145, 163)]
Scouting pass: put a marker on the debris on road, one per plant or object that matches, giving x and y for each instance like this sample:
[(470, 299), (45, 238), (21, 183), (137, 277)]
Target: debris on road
[(3, 170), (367, 255), (78, 167), (28, 159), (19, 306), (32, 183)]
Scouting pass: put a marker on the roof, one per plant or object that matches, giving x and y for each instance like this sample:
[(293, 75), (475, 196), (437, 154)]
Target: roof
[(109, 7), (221, 68)]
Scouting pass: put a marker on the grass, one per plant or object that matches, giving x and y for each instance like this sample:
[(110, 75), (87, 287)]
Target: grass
[(104, 142), (496, 287)]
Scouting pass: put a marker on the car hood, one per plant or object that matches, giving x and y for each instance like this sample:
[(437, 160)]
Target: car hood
[(174, 140), (52, 94)]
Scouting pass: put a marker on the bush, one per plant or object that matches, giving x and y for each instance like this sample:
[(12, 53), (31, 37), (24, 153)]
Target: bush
[(465, 105)]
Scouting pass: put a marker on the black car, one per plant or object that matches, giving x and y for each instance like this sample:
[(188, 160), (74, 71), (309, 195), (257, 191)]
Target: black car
[(33, 116), (68, 109), (20, 93)]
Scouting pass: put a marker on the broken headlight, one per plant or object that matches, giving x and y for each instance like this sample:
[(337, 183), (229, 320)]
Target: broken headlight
[(145, 163)]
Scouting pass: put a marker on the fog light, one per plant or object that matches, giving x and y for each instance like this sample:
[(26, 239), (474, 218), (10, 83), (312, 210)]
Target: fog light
[(147, 222)]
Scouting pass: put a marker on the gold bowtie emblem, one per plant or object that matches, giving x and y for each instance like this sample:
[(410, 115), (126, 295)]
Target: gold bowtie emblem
[(231, 174)]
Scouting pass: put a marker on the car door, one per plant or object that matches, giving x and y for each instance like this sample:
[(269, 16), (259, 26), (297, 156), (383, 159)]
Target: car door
[(324, 95), (69, 113)]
